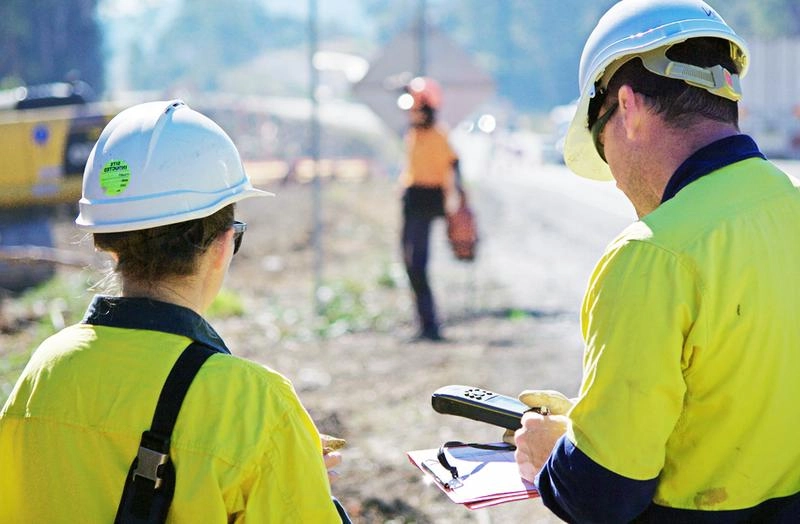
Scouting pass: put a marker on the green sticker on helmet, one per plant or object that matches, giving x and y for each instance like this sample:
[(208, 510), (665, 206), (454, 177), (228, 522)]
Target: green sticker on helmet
[(115, 177)]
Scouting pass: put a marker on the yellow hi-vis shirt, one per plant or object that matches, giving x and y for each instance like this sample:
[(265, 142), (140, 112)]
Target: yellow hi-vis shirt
[(692, 366), (244, 448)]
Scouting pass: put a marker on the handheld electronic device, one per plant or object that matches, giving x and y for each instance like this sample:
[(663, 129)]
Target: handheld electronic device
[(481, 405)]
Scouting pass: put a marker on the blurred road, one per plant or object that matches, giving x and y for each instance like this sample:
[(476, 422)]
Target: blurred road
[(543, 228)]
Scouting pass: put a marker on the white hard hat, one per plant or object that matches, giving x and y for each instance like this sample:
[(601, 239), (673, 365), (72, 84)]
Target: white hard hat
[(160, 163), (634, 28)]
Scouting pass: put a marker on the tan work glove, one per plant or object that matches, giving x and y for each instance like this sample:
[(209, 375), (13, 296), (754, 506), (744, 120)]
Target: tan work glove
[(330, 443), (556, 403), (330, 453)]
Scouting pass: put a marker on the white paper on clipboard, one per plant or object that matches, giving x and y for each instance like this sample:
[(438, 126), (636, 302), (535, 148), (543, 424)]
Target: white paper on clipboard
[(486, 477)]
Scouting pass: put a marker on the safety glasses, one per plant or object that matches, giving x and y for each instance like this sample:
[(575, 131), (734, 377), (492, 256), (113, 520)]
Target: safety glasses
[(597, 129), (238, 232)]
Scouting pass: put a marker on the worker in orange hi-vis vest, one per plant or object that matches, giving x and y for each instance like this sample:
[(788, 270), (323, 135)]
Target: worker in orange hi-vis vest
[(429, 183)]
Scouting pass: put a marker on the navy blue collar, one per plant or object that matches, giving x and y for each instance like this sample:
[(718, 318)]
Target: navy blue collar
[(152, 315), (710, 158)]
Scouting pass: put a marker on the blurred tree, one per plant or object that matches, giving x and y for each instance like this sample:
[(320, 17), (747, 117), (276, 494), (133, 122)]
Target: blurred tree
[(49, 40), (531, 48), (391, 18), (765, 19), (208, 36)]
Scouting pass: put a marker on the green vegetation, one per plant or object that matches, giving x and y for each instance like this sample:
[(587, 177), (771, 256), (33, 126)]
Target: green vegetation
[(226, 304), (392, 276), (62, 301), (517, 314), (11, 366), (33, 317), (346, 306)]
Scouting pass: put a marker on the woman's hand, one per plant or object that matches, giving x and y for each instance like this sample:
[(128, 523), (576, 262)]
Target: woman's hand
[(332, 459), (331, 455)]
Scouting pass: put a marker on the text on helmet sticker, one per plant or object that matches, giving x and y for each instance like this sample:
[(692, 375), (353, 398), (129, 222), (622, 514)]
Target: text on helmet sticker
[(115, 177)]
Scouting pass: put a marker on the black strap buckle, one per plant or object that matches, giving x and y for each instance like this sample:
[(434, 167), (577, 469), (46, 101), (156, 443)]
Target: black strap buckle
[(153, 454), (150, 483)]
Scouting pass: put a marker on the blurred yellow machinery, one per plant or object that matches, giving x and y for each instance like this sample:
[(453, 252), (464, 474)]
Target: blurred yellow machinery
[(46, 135)]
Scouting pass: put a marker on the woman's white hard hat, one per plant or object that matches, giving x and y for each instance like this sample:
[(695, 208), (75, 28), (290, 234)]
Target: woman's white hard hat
[(160, 163), (632, 28)]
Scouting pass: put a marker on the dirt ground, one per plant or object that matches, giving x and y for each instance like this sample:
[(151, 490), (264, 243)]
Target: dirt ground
[(363, 380)]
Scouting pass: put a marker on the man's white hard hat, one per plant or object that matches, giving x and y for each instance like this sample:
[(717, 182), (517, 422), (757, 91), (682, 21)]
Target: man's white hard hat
[(633, 28), (160, 163)]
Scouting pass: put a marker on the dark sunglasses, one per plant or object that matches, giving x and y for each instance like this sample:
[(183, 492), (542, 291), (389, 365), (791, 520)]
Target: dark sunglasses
[(595, 104), (238, 232), (597, 128)]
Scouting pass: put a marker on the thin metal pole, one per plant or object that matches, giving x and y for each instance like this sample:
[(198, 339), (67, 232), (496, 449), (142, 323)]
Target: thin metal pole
[(422, 39), (315, 153)]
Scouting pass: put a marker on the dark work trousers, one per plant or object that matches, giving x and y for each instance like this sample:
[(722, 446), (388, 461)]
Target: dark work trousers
[(416, 235)]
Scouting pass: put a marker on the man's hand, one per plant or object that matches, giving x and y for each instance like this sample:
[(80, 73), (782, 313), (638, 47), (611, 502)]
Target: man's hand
[(535, 440), (539, 433), (555, 402)]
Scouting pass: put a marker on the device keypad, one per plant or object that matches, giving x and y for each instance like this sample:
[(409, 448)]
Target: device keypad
[(478, 393)]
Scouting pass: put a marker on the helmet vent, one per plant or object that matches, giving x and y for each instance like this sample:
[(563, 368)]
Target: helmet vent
[(174, 105)]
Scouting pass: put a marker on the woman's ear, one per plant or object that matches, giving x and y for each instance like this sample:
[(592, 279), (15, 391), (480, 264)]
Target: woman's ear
[(222, 249)]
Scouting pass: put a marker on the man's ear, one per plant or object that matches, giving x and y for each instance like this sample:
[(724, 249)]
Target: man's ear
[(632, 110)]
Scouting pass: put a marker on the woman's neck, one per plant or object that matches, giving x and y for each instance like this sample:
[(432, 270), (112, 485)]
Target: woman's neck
[(176, 291)]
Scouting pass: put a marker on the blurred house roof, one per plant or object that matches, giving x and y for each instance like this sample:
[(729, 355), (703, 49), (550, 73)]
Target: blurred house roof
[(465, 85)]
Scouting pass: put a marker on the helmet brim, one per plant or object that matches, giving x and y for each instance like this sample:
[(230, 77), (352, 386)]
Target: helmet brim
[(94, 219), (580, 154)]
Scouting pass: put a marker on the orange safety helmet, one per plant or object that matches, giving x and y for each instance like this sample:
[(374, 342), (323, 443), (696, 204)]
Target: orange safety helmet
[(425, 91)]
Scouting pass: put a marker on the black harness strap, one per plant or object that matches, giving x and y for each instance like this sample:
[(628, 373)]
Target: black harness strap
[(150, 484)]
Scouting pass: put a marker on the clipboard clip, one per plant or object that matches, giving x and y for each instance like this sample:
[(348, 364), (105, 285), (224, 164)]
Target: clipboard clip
[(441, 462), (430, 466), (442, 455)]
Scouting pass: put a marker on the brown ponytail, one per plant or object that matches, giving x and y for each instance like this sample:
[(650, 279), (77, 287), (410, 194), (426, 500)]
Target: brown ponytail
[(150, 255)]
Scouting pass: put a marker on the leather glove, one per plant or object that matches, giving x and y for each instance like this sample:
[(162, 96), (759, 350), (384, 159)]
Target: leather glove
[(556, 403), (330, 454), (330, 443)]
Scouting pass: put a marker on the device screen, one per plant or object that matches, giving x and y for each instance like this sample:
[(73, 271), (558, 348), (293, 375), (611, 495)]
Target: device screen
[(506, 403)]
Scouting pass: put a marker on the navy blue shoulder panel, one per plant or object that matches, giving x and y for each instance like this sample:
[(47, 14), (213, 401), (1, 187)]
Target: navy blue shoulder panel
[(710, 158), (153, 315), (577, 489)]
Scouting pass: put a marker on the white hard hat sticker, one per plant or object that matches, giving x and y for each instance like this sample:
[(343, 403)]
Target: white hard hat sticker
[(115, 177)]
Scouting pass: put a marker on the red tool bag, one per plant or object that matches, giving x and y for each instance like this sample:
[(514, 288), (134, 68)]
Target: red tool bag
[(462, 231)]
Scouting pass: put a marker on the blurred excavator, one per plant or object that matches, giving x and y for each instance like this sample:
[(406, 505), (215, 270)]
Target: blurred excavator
[(46, 134)]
